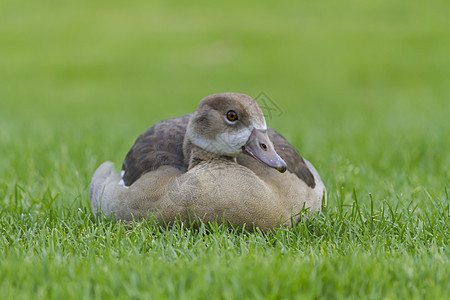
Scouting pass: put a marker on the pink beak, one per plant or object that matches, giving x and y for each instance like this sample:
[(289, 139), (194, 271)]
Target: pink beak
[(261, 148)]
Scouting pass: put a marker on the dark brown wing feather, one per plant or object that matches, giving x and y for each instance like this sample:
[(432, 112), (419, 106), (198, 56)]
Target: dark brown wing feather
[(294, 161), (162, 144)]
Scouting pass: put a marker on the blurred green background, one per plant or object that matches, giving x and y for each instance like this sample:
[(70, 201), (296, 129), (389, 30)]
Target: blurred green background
[(364, 86), (364, 89)]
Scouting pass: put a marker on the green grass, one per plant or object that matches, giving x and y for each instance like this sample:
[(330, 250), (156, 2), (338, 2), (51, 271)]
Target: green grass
[(364, 88)]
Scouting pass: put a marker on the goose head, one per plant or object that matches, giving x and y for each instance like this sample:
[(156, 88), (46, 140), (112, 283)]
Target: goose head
[(230, 125)]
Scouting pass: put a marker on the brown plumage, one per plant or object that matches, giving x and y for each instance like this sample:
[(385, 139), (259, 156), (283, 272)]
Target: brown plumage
[(162, 145)]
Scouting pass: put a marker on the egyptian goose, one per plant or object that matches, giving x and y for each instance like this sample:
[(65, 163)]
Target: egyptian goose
[(219, 163)]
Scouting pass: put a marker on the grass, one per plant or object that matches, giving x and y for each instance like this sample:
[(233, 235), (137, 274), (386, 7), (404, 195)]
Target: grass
[(363, 89)]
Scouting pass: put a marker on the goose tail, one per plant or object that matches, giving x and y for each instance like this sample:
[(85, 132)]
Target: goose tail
[(99, 189)]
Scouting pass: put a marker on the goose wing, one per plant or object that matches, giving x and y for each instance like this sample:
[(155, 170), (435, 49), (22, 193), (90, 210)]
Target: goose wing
[(294, 161), (162, 144)]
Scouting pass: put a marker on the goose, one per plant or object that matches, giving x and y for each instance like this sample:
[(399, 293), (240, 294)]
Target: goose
[(220, 164)]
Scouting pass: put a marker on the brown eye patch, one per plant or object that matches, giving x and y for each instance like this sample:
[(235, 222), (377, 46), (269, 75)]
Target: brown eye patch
[(232, 115)]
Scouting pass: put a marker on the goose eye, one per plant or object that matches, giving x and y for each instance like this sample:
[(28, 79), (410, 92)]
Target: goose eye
[(232, 115)]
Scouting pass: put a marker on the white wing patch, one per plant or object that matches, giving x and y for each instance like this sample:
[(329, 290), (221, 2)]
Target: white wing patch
[(319, 189), (121, 182)]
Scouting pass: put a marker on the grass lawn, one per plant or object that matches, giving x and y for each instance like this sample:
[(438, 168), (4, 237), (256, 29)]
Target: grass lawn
[(364, 93)]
